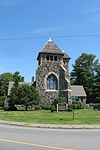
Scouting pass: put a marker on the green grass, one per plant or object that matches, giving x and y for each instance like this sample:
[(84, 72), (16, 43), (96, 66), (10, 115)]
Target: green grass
[(46, 117)]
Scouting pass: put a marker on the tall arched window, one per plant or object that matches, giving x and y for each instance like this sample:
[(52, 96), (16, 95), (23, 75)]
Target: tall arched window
[(52, 82)]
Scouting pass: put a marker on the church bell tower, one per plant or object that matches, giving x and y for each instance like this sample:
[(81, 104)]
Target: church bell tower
[(52, 74)]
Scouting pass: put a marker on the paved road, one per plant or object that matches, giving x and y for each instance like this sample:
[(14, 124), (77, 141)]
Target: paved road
[(22, 138)]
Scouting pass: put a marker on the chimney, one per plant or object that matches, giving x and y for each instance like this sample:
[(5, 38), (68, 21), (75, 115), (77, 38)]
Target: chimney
[(33, 79)]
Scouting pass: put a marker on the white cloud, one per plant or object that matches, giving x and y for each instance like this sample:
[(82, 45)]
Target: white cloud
[(6, 3), (47, 30), (89, 10), (92, 13), (95, 18)]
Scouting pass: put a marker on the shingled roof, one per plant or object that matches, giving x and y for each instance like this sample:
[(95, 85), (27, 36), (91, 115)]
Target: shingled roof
[(66, 56), (78, 90), (51, 48)]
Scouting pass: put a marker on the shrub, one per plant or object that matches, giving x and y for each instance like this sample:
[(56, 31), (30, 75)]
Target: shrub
[(37, 108), (52, 109), (2, 99), (76, 105), (10, 108), (46, 107), (96, 106), (69, 109), (1, 108)]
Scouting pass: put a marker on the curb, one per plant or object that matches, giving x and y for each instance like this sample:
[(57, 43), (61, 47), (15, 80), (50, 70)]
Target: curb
[(51, 126)]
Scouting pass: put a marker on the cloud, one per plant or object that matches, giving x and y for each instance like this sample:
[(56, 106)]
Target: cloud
[(45, 30), (92, 13), (95, 18), (6, 3)]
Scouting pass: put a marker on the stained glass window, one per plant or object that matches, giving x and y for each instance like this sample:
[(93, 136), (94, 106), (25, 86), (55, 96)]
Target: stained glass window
[(52, 82)]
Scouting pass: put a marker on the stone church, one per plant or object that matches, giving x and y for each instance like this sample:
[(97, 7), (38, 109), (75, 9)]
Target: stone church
[(52, 74)]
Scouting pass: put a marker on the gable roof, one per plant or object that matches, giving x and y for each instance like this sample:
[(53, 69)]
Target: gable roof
[(20, 83), (66, 56), (51, 48), (78, 90)]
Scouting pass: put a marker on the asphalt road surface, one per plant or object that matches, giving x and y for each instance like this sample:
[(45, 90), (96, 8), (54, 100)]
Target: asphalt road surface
[(22, 138)]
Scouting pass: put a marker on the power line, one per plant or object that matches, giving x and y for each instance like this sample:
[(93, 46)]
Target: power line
[(21, 38), (56, 36)]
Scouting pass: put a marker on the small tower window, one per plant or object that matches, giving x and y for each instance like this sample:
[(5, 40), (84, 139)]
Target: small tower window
[(52, 82), (47, 57), (51, 58), (55, 58)]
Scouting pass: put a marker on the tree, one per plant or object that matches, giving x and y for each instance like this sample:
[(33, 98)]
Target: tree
[(84, 73), (24, 95), (5, 78), (96, 85), (4, 81), (17, 78)]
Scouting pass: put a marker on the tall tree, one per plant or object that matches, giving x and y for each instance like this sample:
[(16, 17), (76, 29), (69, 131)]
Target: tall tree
[(96, 85), (84, 73), (17, 78), (5, 78)]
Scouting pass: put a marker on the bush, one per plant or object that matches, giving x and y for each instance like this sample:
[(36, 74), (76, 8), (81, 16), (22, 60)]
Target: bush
[(52, 109), (46, 107), (2, 99), (1, 108), (96, 106), (69, 109), (10, 108), (76, 105), (37, 108)]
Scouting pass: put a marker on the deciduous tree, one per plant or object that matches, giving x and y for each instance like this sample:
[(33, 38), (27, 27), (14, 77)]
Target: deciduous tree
[(24, 95)]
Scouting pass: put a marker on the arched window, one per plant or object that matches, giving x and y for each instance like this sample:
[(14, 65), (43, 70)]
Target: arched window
[(52, 82)]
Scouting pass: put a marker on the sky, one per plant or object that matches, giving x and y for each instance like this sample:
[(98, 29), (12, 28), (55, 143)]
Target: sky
[(26, 25)]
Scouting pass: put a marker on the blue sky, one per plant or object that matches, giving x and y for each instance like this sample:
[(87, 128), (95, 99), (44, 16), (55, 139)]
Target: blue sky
[(25, 19)]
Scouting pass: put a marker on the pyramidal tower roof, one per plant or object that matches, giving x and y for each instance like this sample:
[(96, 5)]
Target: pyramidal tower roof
[(51, 48)]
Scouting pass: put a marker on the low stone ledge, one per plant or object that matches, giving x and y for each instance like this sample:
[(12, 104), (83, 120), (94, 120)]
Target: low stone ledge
[(52, 126)]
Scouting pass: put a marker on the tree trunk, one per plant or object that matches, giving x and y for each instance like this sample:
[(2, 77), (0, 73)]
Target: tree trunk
[(26, 107)]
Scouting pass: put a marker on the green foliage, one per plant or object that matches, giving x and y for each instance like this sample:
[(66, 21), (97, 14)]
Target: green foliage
[(4, 81), (10, 108), (2, 99), (5, 78), (96, 106), (53, 109), (1, 108), (69, 109), (46, 107), (76, 105), (58, 100), (17, 78), (37, 108), (86, 72), (24, 95)]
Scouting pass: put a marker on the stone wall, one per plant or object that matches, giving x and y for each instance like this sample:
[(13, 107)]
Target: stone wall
[(46, 68)]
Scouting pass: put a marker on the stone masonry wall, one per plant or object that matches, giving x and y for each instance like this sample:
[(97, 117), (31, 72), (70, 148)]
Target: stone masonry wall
[(43, 70)]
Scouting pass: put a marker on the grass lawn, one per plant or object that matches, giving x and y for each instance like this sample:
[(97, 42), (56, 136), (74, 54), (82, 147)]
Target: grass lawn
[(46, 117)]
